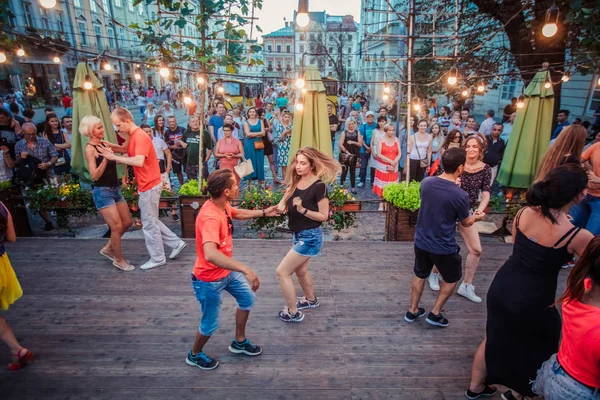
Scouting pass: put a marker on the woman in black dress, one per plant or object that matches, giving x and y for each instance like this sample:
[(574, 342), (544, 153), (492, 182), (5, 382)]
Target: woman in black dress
[(350, 144), (523, 325)]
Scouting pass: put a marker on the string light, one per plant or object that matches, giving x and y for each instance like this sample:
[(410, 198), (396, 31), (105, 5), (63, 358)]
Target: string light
[(87, 85), (2, 57), (137, 76), (164, 71), (302, 18), (303, 91), (300, 83), (200, 80), (187, 100), (548, 83), (416, 105), (598, 81), (481, 88), (453, 76), (465, 93), (385, 97), (566, 76), (550, 27), (386, 88), (220, 88), (20, 52), (105, 65), (521, 101), (48, 3), (299, 107), (56, 59)]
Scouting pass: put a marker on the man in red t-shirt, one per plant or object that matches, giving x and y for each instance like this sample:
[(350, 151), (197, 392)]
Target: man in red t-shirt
[(215, 269), (142, 157)]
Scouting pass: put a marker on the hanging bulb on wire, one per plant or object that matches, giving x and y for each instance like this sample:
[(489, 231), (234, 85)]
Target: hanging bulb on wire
[(521, 101), (303, 90), (137, 76), (465, 93), (453, 76), (2, 57), (385, 97), (300, 83), (481, 88), (87, 85), (200, 80), (386, 88), (48, 3), (105, 65), (566, 76), (299, 106), (550, 27), (20, 52), (548, 83), (187, 100)]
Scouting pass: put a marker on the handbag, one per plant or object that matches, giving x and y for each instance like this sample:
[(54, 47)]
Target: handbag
[(423, 163), (244, 168), (162, 166), (259, 145), (60, 162), (346, 159)]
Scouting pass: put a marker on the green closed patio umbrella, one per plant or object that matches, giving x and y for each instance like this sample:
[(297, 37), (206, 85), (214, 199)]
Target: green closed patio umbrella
[(311, 125), (88, 102), (530, 136)]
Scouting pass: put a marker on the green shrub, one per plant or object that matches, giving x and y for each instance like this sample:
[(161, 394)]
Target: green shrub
[(402, 196)]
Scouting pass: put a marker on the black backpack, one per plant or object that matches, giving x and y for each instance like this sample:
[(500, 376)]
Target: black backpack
[(27, 172)]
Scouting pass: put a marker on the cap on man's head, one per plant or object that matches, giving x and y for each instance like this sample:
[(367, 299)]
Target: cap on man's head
[(370, 113)]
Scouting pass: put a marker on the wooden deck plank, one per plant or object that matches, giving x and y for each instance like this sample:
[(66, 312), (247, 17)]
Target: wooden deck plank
[(98, 333)]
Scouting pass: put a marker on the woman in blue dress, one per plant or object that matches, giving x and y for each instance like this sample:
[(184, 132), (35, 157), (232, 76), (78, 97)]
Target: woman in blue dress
[(254, 148)]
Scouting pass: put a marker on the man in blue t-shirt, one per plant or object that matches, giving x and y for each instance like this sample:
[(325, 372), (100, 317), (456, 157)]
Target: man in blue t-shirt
[(443, 204), (216, 122), (366, 130)]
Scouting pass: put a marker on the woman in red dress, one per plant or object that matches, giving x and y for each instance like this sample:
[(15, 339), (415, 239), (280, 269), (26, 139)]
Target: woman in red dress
[(388, 154), (229, 150)]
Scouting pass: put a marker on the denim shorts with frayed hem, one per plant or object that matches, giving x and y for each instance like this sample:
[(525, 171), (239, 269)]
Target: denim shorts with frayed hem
[(210, 296), (308, 243), (107, 196), (553, 383)]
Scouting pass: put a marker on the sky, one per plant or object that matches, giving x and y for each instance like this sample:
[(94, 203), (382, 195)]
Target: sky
[(273, 11)]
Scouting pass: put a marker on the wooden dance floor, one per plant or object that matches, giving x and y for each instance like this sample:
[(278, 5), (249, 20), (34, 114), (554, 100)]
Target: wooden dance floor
[(98, 333)]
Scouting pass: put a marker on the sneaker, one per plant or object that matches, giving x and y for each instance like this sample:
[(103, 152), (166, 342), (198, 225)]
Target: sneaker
[(305, 303), (468, 291), (177, 250), (152, 264), (508, 396), (353, 191), (434, 281), (437, 320), (175, 217), (201, 361), (244, 347), (360, 184), (410, 317), (488, 391), (285, 316)]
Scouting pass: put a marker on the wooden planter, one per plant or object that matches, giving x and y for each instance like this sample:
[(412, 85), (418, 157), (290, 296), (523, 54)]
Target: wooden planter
[(349, 206), (167, 202), (400, 224), (188, 214)]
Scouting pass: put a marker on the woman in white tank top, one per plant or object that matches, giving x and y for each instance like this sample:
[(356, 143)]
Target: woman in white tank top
[(419, 149)]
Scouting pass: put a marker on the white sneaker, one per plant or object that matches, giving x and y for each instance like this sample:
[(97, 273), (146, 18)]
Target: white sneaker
[(360, 184), (468, 291), (177, 250), (152, 264), (434, 281)]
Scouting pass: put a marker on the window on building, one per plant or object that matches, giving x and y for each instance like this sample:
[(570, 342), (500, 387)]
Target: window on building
[(319, 37), (349, 50), (279, 48), (98, 33), (330, 63), (312, 48), (141, 8), (302, 37), (122, 36), (118, 3), (130, 5), (330, 50), (77, 3), (312, 37), (27, 14), (278, 64), (349, 61), (60, 24), (269, 48), (301, 48), (93, 6), (82, 33), (270, 65), (105, 6), (110, 32), (595, 99), (350, 37), (508, 90), (288, 48), (45, 19)]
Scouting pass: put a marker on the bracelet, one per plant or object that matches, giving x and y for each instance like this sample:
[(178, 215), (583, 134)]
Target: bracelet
[(305, 211), (264, 213)]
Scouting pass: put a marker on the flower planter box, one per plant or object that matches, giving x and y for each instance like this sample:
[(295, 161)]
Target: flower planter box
[(167, 202), (188, 214), (400, 224), (349, 206)]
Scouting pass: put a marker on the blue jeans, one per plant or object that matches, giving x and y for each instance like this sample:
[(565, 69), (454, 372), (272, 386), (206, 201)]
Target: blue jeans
[(105, 197), (308, 243), (553, 383), (364, 165), (210, 296), (586, 214)]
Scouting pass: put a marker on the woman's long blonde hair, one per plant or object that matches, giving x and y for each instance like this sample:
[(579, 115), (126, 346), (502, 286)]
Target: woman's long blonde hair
[(568, 145), (324, 167)]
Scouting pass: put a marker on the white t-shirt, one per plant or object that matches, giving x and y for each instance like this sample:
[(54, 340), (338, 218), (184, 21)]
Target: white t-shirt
[(221, 135), (159, 146)]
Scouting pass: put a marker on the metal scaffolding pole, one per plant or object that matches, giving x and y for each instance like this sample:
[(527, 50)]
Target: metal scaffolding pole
[(409, 65)]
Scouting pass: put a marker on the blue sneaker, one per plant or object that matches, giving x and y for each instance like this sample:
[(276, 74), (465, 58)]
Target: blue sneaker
[(303, 303), (244, 347), (201, 361)]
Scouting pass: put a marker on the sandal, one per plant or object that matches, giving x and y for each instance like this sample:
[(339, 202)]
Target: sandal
[(21, 359), (127, 267), (110, 257)]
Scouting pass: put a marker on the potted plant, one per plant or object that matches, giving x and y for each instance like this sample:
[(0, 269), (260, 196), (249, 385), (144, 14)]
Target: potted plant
[(67, 199), (257, 198), (167, 198), (190, 201), (402, 210), (341, 200)]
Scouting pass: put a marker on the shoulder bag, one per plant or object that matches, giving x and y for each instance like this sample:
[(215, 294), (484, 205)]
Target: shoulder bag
[(244, 168), (423, 163)]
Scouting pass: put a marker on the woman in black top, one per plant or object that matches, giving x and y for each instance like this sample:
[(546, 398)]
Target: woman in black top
[(106, 192), (350, 144), (60, 141), (308, 207)]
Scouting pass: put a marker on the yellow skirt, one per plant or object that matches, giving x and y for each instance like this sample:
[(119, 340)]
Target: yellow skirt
[(10, 288)]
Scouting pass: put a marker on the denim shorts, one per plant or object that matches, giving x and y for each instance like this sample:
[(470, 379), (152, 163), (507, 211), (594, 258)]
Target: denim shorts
[(107, 196), (553, 383), (210, 296), (308, 243)]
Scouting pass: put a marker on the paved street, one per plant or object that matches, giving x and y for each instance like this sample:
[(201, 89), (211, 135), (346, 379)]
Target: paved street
[(98, 333)]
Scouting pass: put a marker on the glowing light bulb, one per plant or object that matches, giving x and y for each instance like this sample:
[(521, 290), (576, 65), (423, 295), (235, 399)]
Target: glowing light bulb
[(465, 93), (386, 89), (221, 89), (200, 80), (56, 60), (302, 20), (452, 80), (137, 76), (566, 76), (299, 107), (598, 81), (481, 88), (550, 29), (300, 83), (87, 85), (385, 97), (521, 102), (2, 57), (547, 84), (303, 91), (48, 3), (164, 72), (106, 66), (417, 107), (20, 52), (187, 100)]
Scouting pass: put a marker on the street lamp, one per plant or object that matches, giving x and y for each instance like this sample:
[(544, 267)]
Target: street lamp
[(551, 25), (302, 18), (48, 3)]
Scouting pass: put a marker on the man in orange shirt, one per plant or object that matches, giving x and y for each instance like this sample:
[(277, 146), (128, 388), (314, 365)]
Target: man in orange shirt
[(586, 214), (215, 269), (142, 157)]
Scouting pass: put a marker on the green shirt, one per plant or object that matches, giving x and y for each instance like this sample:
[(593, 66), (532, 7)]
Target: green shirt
[(192, 139)]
